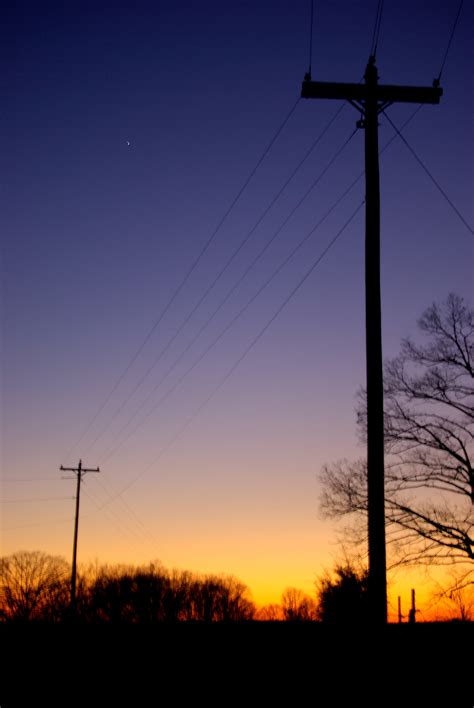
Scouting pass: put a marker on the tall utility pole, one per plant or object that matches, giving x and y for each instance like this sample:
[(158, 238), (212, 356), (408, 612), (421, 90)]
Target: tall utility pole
[(371, 99), (79, 471)]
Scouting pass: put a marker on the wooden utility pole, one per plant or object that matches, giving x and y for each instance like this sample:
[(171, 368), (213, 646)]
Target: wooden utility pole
[(412, 612), (79, 471), (371, 98)]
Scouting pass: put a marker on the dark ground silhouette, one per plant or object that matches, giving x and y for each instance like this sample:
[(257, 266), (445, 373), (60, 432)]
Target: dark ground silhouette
[(221, 663)]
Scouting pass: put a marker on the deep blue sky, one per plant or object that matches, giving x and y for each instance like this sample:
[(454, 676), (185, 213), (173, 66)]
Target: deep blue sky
[(128, 129)]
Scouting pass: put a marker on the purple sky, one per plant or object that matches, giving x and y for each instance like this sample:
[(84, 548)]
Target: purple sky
[(129, 128)]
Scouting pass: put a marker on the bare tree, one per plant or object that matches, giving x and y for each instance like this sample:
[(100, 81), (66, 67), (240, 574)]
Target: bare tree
[(221, 599), (297, 606), (269, 613), (455, 597), (151, 594), (429, 439), (33, 585)]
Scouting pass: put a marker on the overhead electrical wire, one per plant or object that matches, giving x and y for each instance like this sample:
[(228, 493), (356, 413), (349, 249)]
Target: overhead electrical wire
[(38, 499), (114, 449), (111, 452), (122, 529), (119, 495), (238, 196), (306, 156), (21, 480), (221, 272), (252, 299), (118, 521), (230, 260), (427, 171), (286, 183), (201, 254), (206, 246), (145, 531), (311, 25), (39, 523), (261, 251), (188, 274), (254, 341), (376, 31), (451, 36)]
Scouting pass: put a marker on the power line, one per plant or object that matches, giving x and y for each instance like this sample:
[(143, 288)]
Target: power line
[(119, 522), (427, 171), (27, 501), (187, 275), (388, 143), (113, 449), (150, 537), (376, 31), (244, 308), (254, 341), (232, 322), (39, 523), (229, 261), (196, 413), (311, 24), (227, 264), (122, 529), (12, 480), (450, 41)]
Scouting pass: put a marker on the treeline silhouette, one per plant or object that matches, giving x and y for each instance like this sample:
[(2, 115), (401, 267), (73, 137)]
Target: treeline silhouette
[(36, 587), (153, 594), (181, 630)]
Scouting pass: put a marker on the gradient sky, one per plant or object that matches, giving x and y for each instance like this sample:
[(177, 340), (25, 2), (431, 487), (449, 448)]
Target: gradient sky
[(128, 131)]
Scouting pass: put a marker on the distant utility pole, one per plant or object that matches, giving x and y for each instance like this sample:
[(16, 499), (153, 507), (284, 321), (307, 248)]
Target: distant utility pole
[(412, 613), (79, 471), (371, 99)]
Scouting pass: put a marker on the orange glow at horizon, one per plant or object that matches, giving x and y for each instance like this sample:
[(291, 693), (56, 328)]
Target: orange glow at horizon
[(268, 570)]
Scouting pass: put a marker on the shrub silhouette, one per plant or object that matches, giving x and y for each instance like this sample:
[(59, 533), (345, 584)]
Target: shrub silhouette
[(343, 599)]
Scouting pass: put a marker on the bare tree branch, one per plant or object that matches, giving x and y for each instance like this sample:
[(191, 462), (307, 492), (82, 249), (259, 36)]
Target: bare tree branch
[(429, 440)]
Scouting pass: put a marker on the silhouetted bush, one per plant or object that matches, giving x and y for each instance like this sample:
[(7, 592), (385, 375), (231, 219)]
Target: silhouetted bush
[(343, 599)]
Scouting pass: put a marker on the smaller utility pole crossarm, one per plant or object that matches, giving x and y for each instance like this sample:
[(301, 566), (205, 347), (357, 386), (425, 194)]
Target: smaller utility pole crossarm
[(79, 471)]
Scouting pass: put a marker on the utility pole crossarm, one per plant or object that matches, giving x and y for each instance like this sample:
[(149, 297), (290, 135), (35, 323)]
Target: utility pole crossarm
[(385, 93), (76, 469)]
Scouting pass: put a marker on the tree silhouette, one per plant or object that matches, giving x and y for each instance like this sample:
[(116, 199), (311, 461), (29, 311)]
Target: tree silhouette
[(269, 613), (297, 606), (429, 436), (343, 599), (152, 594), (33, 586), (455, 596), (221, 599)]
